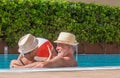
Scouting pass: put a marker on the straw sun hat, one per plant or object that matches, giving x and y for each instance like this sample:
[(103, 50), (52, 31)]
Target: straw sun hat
[(66, 38), (27, 44)]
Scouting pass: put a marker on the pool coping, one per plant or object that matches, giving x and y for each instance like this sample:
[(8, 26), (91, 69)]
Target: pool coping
[(66, 69)]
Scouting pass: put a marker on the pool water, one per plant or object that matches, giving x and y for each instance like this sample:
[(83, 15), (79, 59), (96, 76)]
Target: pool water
[(84, 60), (95, 60), (5, 60)]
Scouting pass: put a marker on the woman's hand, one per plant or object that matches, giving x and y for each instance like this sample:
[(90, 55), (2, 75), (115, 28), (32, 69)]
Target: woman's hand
[(15, 63)]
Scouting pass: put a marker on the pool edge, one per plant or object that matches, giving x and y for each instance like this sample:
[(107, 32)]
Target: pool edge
[(68, 69)]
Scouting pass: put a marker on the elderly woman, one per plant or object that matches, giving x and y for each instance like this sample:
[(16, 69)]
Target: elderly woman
[(33, 49)]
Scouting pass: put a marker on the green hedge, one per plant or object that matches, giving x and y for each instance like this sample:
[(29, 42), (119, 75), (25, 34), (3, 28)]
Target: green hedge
[(47, 18)]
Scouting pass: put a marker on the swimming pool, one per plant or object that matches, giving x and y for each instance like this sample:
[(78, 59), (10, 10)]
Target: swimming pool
[(84, 60)]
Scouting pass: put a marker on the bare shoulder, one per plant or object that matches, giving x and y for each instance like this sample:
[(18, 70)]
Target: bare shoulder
[(70, 61), (64, 61)]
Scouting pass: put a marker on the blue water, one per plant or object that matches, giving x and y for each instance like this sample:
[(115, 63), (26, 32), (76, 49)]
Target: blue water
[(84, 60), (5, 60), (95, 60)]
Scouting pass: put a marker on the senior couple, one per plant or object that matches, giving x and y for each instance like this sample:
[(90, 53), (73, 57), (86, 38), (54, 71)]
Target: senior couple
[(40, 53)]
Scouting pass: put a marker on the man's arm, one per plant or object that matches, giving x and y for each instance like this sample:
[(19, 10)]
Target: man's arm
[(57, 61)]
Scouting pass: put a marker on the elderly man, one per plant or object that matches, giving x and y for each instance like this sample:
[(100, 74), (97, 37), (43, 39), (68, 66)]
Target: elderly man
[(65, 58)]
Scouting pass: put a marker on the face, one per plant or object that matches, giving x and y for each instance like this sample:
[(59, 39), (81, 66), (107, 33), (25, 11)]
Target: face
[(62, 49), (31, 54)]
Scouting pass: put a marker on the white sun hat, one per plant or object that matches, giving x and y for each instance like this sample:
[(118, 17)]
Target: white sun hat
[(66, 38), (27, 44)]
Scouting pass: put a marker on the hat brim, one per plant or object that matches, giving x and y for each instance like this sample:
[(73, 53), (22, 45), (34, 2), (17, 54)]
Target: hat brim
[(29, 50), (63, 42)]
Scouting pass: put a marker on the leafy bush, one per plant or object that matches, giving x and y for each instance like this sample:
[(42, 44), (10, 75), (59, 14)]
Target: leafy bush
[(47, 18)]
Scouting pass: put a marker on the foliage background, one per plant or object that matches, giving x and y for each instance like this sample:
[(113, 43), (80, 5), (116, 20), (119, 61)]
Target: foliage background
[(47, 18)]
